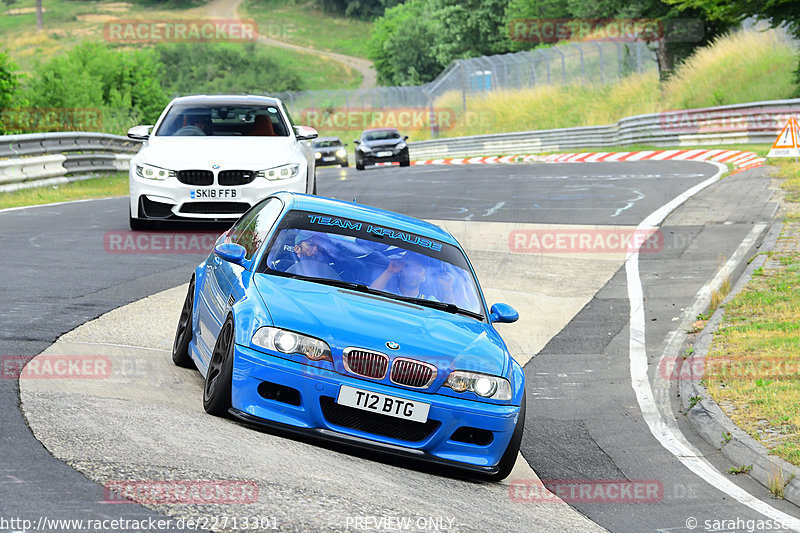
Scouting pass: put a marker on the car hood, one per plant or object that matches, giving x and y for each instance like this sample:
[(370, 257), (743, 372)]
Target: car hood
[(328, 149), (345, 318), (230, 153), (382, 144)]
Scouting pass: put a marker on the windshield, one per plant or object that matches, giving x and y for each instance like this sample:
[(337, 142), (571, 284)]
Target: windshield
[(381, 135), (326, 143), (184, 120), (311, 245)]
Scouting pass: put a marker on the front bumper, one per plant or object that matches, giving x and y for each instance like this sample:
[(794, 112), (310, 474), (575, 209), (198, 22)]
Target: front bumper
[(312, 395), (331, 159), (372, 157), (172, 200)]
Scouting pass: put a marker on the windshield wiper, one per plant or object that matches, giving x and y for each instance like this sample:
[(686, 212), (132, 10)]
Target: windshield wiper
[(443, 306), (360, 287)]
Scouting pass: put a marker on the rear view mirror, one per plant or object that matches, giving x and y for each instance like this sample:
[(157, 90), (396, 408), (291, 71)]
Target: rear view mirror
[(503, 313), (305, 133), (231, 252), (140, 133)]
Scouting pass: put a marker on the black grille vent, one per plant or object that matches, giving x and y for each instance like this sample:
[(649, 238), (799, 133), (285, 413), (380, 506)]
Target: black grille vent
[(196, 177), (377, 424), (235, 177), (367, 364), (215, 208), (412, 373)]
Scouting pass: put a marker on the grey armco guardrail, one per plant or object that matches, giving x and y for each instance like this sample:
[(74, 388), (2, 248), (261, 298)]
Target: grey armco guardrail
[(758, 122), (42, 158), (36, 159)]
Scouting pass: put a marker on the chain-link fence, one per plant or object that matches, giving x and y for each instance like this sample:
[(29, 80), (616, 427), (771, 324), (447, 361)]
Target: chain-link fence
[(586, 62)]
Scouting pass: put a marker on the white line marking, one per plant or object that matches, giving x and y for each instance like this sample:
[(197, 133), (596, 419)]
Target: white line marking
[(666, 435), (495, 209), (630, 203), (9, 209)]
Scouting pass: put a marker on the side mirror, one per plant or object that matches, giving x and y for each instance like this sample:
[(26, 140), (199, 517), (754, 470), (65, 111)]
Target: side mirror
[(357, 141), (305, 133), (140, 133), (231, 252), (405, 137), (503, 313)]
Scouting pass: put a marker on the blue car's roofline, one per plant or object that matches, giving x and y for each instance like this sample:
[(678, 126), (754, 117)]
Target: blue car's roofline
[(340, 208)]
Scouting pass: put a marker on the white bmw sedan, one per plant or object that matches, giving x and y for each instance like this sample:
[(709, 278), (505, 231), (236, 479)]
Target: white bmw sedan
[(212, 157)]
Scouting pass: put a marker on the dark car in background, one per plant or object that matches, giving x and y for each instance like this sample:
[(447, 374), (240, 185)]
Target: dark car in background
[(329, 151), (381, 145)]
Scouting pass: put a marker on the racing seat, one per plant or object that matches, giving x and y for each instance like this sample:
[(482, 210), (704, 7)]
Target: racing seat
[(262, 127)]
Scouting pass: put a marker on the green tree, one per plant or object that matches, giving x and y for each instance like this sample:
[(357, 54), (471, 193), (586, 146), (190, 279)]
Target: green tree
[(361, 9), (414, 41), (681, 28), (9, 80), (398, 45)]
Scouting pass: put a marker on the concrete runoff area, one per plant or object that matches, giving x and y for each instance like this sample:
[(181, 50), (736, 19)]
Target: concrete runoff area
[(146, 422)]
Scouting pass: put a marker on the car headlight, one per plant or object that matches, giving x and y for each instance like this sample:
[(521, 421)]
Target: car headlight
[(364, 149), (341, 152), (289, 342), (400, 146), (483, 385), (317, 155), (154, 173), (283, 172)]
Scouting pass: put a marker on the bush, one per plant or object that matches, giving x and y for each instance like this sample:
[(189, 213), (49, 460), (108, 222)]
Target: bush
[(93, 75), (223, 68)]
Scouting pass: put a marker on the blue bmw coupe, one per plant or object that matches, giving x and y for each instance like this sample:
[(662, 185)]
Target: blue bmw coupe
[(356, 325)]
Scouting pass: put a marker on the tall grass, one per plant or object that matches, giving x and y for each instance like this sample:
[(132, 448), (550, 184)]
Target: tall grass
[(736, 68), (746, 66)]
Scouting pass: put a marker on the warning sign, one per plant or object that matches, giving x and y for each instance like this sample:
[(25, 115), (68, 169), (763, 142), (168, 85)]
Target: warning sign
[(786, 143)]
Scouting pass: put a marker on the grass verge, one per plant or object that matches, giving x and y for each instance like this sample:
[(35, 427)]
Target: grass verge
[(100, 187), (303, 24), (67, 24), (753, 364)]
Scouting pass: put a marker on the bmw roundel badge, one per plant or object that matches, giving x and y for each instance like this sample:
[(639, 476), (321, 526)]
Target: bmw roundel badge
[(392, 345)]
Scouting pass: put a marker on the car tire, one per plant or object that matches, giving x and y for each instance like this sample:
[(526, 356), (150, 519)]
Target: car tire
[(183, 335), (359, 165), (217, 387), (509, 458), (405, 163), (345, 164)]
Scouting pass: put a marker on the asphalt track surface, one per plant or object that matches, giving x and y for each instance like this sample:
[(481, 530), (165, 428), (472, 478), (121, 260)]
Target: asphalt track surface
[(583, 422)]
